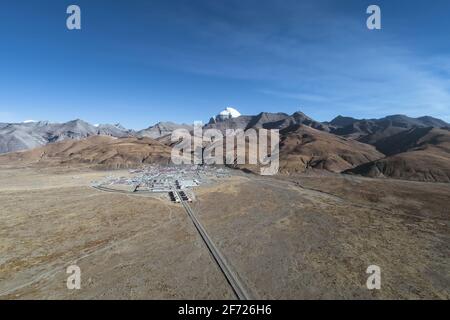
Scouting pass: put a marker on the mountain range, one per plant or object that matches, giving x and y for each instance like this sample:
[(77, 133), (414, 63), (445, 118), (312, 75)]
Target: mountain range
[(98, 151), (162, 129), (419, 153), (395, 146), (29, 135), (372, 130)]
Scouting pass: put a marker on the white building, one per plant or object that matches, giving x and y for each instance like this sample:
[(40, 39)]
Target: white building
[(183, 184)]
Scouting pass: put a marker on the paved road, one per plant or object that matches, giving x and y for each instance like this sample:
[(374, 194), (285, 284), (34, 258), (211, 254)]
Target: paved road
[(230, 275)]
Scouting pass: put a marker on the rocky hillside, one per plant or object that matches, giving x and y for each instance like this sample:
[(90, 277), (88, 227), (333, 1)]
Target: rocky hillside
[(394, 146), (266, 120), (420, 154), (373, 130), (162, 129), (24, 136), (101, 152), (307, 148)]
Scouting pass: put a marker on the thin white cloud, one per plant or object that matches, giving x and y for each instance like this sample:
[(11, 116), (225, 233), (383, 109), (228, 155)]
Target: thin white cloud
[(322, 59), (296, 96)]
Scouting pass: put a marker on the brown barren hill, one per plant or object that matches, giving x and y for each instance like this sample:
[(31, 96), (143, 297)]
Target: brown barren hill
[(426, 158), (101, 152), (303, 148)]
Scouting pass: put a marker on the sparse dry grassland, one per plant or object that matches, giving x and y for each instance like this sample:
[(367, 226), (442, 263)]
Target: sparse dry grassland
[(302, 237), (128, 247), (309, 237)]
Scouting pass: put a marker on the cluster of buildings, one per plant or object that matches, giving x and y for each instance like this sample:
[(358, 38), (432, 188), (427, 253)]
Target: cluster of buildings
[(176, 181)]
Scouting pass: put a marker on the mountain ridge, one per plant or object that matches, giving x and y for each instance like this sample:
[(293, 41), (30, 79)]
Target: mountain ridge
[(421, 154), (395, 146)]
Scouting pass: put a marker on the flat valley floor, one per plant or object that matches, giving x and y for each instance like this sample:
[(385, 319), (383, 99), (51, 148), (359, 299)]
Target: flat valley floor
[(301, 237)]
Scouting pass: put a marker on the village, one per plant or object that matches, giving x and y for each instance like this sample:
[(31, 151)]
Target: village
[(174, 183)]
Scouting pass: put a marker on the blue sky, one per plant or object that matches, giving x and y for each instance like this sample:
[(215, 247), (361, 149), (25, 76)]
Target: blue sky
[(139, 62)]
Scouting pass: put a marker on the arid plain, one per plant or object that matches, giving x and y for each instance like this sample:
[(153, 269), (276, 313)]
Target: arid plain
[(297, 237)]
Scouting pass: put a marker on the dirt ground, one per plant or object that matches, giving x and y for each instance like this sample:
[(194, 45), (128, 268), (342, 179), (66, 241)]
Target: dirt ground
[(300, 237), (313, 238), (128, 247)]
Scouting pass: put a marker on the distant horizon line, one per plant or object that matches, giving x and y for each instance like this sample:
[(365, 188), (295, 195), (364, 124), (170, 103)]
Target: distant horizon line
[(243, 115)]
